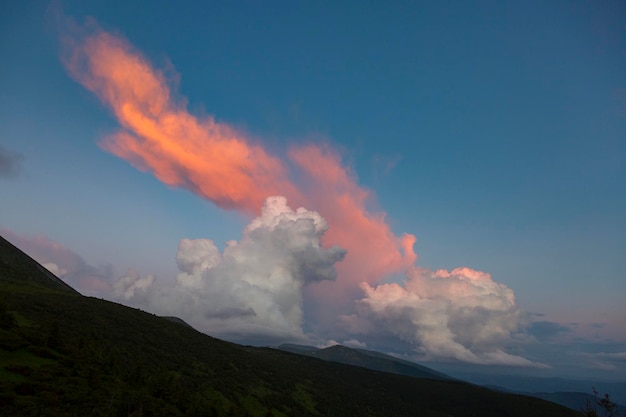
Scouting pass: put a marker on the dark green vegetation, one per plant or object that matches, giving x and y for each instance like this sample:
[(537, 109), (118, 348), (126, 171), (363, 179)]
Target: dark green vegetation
[(528, 385), (582, 401), (381, 362), (65, 354)]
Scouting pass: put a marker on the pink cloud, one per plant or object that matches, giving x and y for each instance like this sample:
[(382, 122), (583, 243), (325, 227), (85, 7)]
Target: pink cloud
[(58, 259), (221, 164), (461, 314), (374, 251)]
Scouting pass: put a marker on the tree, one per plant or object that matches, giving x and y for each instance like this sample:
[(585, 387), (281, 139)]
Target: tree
[(606, 406)]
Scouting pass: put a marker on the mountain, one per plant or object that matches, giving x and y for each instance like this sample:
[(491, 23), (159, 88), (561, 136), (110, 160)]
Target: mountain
[(17, 267), (62, 353), (177, 320), (367, 359), (530, 384), (381, 362), (575, 400), (299, 349)]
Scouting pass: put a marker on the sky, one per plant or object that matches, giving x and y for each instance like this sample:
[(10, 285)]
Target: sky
[(442, 181)]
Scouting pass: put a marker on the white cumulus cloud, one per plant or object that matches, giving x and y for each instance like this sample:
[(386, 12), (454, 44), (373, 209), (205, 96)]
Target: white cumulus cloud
[(131, 284), (55, 269), (253, 288), (460, 314)]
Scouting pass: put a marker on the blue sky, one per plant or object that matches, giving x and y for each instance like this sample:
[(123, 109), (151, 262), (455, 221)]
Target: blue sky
[(492, 131)]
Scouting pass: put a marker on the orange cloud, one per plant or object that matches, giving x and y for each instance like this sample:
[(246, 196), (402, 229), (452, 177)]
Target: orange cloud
[(218, 163), (159, 135), (373, 250)]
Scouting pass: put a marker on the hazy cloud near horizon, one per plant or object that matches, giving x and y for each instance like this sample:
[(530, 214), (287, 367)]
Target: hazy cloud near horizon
[(10, 163), (546, 330), (65, 263)]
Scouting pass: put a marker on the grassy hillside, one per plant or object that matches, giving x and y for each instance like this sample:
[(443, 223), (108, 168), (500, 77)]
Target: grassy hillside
[(65, 354)]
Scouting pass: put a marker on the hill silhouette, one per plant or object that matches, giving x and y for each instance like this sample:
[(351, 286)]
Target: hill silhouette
[(17, 267), (62, 353)]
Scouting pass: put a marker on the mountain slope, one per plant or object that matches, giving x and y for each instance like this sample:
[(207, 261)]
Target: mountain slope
[(17, 267), (65, 354), (367, 359)]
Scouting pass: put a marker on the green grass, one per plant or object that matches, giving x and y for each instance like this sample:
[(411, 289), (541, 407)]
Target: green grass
[(23, 357), (302, 396)]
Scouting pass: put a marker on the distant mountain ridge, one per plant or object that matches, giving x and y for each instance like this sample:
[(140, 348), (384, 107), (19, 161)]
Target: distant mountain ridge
[(574, 400), (381, 362), (532, 384), (368, 359)]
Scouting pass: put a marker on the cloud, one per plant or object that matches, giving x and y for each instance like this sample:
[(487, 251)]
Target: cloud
[(461, 314), (373, 250), (608, 361), (546, 330), (75, 271), (131, 284), (64, 263), (382, 165), (157, 133), (253, 288), (223, 165), (356, 344), (55, 269), (10, 163), (327, 344), (613, 356)]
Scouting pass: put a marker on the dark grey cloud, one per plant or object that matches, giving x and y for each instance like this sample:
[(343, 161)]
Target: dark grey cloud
[(10, 163), (228, 313), (544, 330)]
